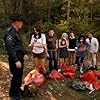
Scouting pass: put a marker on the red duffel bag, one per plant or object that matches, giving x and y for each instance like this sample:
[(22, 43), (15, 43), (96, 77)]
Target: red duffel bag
[(64, 65), (90, 76), (70, 69), (96, 84), (69, 72), (56, 75), (97, 73)]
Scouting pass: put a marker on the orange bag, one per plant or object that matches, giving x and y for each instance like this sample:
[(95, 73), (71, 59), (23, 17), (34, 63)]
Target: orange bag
[(56, 75)]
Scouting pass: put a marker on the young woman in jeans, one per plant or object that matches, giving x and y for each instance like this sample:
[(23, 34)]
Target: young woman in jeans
[(81, 50)]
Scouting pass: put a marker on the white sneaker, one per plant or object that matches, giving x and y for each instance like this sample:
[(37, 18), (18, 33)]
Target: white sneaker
[(59, 70), (90, 87), (91, 91), (81, 70)]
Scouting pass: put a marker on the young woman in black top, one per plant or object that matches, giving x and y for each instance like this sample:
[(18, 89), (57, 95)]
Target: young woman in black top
[(72, 48), (63, 45)]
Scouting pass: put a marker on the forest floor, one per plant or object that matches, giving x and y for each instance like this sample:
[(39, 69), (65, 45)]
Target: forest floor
[(51, 90)]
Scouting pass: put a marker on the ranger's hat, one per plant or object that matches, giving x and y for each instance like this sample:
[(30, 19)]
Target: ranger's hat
[(16, 18)]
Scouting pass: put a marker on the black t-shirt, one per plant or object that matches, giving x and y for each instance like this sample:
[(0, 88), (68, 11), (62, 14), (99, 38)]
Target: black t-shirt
[(72, 43)]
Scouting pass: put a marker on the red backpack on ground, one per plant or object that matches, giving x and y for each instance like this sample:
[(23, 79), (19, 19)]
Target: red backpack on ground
[(56, 75), (69, 71), (92, 77)]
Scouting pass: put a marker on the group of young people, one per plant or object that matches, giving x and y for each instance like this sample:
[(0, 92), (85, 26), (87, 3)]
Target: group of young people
[(45, 46), (66, 49)]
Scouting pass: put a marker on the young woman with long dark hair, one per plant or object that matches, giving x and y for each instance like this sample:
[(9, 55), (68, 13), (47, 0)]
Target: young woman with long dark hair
[(81, 50), (38, 42)]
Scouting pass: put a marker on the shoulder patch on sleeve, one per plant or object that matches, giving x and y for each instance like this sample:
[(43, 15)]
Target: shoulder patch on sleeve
[(9, 38), (9, 29)]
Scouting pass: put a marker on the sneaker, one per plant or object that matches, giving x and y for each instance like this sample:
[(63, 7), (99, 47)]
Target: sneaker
[(59, 70), (91, 88), (81, 70)]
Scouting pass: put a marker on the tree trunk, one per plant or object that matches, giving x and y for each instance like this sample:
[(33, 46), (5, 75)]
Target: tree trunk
[(4, 6), (17, 6), (14, 3), (68, 12), (49, 9), (21, 6)]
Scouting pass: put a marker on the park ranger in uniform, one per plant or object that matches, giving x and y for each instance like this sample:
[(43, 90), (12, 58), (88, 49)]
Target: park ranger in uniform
[(16, 55)]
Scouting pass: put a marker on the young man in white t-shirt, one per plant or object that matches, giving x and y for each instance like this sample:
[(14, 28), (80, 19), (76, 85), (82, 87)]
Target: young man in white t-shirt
[(93, 46)]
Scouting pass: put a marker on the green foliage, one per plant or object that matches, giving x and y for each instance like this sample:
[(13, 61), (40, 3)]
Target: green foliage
[(1, 40), (79, 16)]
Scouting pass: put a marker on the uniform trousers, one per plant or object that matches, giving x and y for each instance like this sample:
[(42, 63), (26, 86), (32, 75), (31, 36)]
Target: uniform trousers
[(16, 77)]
